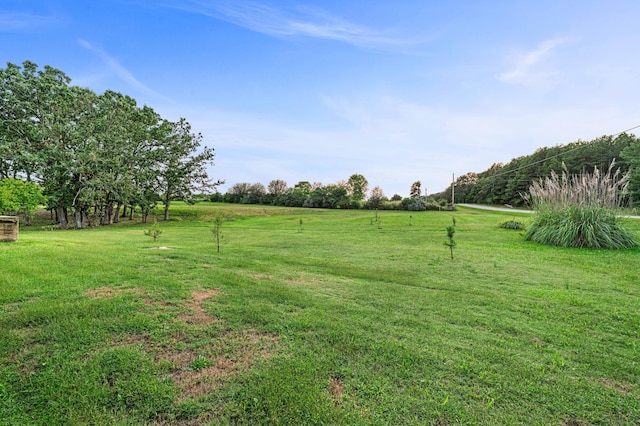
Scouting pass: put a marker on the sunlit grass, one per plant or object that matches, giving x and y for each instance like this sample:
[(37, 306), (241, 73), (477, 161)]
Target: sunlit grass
[(340, 321)]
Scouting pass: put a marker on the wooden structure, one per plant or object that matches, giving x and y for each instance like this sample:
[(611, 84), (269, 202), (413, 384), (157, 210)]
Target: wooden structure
[(8, 228)]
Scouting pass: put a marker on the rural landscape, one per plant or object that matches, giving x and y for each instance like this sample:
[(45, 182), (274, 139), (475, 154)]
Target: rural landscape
[(314, 316), (139, 287)]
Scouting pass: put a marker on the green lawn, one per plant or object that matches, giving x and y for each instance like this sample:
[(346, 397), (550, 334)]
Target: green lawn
[(316, 317)]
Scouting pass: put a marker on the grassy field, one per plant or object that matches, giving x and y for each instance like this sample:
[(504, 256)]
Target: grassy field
[(316, 317)]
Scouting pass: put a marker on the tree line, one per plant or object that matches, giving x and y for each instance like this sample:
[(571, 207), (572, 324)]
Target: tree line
[(96, 157), (507, 183), (350, 194)]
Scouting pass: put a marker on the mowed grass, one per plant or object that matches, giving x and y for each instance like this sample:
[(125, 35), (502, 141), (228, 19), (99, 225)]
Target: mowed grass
[(316, 317)]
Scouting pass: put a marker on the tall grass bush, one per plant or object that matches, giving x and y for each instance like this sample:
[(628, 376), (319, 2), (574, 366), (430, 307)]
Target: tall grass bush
[(580, 210)]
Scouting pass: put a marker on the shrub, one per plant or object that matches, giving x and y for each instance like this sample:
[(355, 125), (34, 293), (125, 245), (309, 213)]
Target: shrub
[(414, 204), (580, 227), (512, 224), (579, 211)]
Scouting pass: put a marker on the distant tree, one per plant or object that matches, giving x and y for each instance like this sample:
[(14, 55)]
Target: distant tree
[(357, 187), (303, 186), (238, 192), (256, 193), (20, 197), (415, 190), (216, 197), (376, 198), (463, 184), (396, 197), (277, 187)]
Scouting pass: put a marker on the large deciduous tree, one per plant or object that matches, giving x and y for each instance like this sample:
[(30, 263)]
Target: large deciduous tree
[(181, 170), (94, 152)]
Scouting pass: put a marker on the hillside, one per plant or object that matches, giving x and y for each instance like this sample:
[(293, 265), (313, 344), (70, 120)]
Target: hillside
[(504, 183)]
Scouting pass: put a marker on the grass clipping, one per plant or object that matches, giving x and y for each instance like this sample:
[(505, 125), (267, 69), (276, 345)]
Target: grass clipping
[(580, 210)]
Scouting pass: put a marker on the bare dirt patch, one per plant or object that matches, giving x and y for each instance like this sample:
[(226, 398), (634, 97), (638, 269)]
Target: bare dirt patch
[(336, 390), (199, 367), (616, 386), (198, 372), (108, 292), (197, 315), (539, 343)]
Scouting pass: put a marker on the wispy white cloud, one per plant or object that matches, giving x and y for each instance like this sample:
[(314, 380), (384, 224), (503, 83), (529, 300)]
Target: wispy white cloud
[(17, 21), (303, 21), (527, 67), (392, 141), (121, 72)]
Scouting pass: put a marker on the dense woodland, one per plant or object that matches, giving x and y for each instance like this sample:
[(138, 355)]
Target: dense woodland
[(506, 183), (95, 157)]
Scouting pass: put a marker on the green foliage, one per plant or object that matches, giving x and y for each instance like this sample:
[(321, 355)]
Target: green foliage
[(580, 227), (357, 186), (19, 197), (579, 211), (451, 230), (414, 204), (94, 152), (154, 232), (128, 381), (505, 183), (631, 154), (199, 363), (513, 224)]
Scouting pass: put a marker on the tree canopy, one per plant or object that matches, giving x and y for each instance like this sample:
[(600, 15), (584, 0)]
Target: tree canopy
[(92, 154), (506, 183)]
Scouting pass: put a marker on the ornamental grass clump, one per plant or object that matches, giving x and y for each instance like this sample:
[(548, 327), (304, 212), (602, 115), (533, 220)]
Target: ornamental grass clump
[(580, 210)]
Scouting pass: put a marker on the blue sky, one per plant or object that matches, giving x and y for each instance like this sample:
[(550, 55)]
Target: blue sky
[(397, 91)]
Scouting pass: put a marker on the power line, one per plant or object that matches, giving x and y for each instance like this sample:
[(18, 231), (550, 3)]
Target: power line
[(557, 155)]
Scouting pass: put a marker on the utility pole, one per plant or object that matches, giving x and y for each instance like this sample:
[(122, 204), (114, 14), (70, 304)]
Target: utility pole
[(453, 190)]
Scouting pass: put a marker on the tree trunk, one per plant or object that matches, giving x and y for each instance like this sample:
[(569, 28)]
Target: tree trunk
[(107, 214), (167, 201), (61, 214), (80, 218), (116, 214), (131, 210)]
